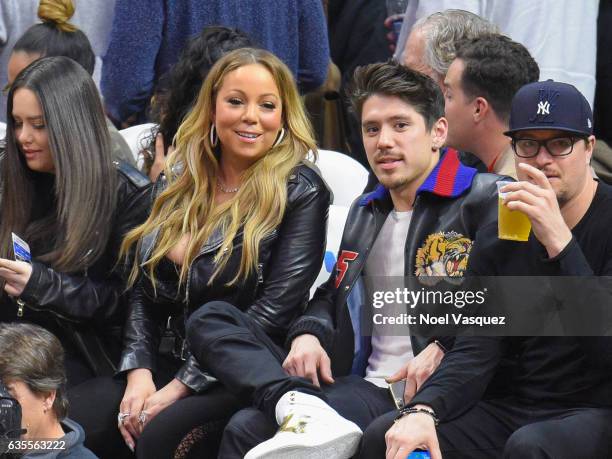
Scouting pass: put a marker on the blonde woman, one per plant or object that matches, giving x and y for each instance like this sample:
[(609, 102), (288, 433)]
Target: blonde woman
[(241, 222)]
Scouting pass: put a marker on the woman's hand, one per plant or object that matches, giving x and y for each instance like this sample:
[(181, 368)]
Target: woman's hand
[(163, 398), (139, 387), (16, 274)]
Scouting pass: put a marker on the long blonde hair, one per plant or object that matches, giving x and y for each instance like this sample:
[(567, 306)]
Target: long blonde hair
[(188, 203)]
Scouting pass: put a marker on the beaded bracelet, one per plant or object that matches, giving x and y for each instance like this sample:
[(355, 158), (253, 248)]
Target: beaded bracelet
[(440, 345), (406, 411)]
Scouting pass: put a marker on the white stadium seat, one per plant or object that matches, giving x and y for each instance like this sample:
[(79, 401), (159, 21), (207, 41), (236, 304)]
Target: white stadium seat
[(346, 177), (134, 136)]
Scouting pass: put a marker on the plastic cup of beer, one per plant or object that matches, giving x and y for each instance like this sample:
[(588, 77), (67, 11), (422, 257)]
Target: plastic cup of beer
[(512, 225)]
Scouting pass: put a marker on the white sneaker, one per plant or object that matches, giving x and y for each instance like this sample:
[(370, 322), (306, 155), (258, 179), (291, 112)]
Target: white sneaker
[(309, 429)]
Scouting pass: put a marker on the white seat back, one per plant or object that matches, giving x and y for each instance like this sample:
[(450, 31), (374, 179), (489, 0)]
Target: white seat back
[(134, 137), (345, 176), (2, 130)]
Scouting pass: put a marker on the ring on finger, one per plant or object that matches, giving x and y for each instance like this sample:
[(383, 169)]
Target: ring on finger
[(142, 417), (121, 417)]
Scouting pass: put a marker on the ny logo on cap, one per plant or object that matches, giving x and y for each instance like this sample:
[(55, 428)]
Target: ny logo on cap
[(547, 102), (543, 108)]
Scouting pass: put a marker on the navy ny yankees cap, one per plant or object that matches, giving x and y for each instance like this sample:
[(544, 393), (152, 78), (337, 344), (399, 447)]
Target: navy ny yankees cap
[(550, 105)]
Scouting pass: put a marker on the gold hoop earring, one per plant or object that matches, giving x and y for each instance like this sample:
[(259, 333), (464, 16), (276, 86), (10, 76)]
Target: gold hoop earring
[(214, 139), (279, 138)]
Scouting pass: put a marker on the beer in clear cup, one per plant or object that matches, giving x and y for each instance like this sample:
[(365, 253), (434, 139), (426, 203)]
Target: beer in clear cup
[(512, 225)]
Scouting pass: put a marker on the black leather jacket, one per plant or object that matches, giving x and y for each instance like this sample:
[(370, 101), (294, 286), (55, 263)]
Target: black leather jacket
[(289, 260), (452, 204), (86, 310)]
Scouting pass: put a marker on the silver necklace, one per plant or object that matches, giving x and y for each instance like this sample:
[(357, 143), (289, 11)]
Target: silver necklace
[(226, 190)]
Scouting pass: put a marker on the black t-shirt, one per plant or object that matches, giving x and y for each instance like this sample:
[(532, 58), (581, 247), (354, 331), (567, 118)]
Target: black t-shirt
[(589, 253), (546, 371)]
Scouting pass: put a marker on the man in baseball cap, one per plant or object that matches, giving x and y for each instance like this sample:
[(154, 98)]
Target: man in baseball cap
[(529, 396), (551, 127)]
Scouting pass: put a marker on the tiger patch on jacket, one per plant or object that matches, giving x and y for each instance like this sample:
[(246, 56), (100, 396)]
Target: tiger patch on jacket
[(443, 254)]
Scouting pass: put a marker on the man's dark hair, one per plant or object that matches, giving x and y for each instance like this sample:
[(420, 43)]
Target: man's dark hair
[(393, 79), (496, 68)]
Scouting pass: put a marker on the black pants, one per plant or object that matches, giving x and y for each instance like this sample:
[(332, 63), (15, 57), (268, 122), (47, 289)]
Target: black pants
[(352, 396), (249, 363), (189, 428), (240, 354), (514, 430), (77, 369)]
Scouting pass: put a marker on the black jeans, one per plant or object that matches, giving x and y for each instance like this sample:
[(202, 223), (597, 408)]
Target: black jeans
[(241, 355), (512, 429), (77, 369), (352, 396)]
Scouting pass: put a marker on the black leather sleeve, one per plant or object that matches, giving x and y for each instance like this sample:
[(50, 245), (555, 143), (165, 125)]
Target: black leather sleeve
[(297, 257), (193, 377), (142, 332), (479, 208), (78, 296), (318, 319)]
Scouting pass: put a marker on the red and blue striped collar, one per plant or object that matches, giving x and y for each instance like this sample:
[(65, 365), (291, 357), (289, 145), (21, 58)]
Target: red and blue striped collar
[(448, 179)]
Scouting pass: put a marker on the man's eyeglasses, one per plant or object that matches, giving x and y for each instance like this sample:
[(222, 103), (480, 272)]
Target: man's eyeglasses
[(558, 146)]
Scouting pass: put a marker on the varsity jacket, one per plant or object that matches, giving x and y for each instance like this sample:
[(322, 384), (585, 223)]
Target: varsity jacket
[(451, 205)]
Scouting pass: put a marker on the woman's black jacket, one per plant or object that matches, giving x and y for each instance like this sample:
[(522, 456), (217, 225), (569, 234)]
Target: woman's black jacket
[(86, 310), (290, 259)]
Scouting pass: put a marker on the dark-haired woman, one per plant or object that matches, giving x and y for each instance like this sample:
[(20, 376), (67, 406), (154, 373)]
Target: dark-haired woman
[(56, 36), (178, 90), (65, 197)]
